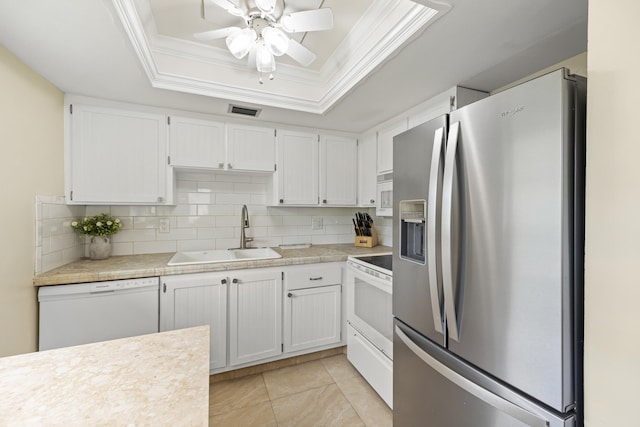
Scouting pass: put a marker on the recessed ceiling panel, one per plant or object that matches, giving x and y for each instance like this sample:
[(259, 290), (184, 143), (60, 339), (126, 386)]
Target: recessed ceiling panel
[(365, 33)]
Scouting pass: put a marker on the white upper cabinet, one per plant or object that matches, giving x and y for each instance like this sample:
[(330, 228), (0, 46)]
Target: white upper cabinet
[(367, 170), (297, 172), (115, 156), (197, 143), (315, 170), (251, 148), (209, 144), (385, 146), (338, 170)]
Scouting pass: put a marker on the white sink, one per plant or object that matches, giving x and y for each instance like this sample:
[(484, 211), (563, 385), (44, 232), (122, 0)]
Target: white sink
[(222, 255)]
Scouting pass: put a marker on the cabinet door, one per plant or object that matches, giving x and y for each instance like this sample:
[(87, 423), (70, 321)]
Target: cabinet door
[(297, 171), (367, 170), (116, 156), (255, 316), (312, 317), (251, 148), (385, 146), (338, 170), (194, 300), (197, 143)]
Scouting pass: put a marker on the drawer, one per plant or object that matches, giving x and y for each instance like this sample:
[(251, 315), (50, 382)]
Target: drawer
[(312, 276)]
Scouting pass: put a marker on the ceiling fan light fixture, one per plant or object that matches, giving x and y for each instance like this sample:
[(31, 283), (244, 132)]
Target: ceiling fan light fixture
[(275, 40), (240, 42), (265, 62), (266, 6)]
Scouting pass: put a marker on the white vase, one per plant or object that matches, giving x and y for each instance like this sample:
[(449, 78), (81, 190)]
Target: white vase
[(99, 247)]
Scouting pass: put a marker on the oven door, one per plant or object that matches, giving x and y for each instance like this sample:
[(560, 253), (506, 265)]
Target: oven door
[(369, 302)]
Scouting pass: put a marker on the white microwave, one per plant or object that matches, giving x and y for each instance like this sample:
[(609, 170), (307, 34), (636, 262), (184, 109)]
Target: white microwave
[(384, 191)]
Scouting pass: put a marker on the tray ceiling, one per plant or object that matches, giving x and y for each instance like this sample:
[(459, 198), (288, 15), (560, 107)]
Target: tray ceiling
[(365, 34)]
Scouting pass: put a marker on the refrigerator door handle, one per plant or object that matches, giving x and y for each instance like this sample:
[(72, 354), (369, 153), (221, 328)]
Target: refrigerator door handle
[(432, 210), (453, 324), (497, 402)]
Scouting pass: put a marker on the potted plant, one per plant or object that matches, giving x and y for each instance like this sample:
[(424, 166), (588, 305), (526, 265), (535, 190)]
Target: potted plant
[(99, 227)]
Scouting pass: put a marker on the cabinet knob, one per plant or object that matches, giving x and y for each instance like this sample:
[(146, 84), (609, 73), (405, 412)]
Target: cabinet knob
[(234, 281), (324, 200), (229, 165), (160, 199), (220, 165), (289, 294), (223, 281), (281, 200), (372, 201)]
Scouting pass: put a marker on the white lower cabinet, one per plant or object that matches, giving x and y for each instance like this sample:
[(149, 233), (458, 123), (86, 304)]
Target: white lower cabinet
[(312, 317), (193, 300), (244, 310), (312, 306), (255, 315)]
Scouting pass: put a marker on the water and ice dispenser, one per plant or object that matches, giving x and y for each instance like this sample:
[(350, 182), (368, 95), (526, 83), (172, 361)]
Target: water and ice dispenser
[(413, 231)]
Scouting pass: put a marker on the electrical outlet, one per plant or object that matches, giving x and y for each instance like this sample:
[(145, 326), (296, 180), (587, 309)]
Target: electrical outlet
[(164, 225), (316, 223)]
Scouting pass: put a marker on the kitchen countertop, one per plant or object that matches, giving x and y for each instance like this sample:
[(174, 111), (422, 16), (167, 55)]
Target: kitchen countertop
[(151, 379), (149, 265)]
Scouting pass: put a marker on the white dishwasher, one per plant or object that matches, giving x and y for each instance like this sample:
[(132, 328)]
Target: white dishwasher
[(99, 311)]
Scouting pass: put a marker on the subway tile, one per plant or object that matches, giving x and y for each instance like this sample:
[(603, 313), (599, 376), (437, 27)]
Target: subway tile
[(184, 186), (52, 260), (296, 220), (258, 232), (226, 243), (134, 236), (200, 198), (254, 209), (338, 229), (154, 247), (260, 199), (215, 233), (63, 241), (178, 210), (93, 210), (263, 179), (266, 220), (215, 187), (228, 221), (134, 211), (124, 248), (324, 239), (215, 209), (277, 210), (195, 221), (196, 176), (178, 234), (233, 198), (145, 222), (38, 261), (282, 230), (249, 188), (232, 177), (261, 242)]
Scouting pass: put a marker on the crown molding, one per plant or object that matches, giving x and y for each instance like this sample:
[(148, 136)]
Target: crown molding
[(188, 66)]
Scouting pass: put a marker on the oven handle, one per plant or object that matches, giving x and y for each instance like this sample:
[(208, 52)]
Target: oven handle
[(372, 280)]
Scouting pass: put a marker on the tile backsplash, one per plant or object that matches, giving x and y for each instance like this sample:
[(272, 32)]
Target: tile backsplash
[(56, 242), (206, 216)]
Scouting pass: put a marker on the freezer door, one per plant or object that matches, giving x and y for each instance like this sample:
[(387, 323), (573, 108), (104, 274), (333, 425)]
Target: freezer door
[(417, 175), (510, 306), (432, 388)]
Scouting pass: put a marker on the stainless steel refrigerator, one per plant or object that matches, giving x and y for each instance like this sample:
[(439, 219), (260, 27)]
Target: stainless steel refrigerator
[(488, 213)]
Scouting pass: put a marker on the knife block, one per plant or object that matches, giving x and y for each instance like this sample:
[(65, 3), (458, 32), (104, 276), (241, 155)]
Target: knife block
[(367, 241)]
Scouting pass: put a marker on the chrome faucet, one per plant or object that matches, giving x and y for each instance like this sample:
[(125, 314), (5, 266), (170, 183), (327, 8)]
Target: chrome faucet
[(244, 223)]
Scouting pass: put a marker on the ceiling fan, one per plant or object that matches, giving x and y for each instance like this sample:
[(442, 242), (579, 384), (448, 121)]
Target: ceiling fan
[(265, 32)]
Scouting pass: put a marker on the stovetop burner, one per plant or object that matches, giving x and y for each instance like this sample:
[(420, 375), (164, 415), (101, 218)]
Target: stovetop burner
[(381, 261)]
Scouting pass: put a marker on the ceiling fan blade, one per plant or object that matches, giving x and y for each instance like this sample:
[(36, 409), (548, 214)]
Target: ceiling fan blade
[(300, 54), (308, 20), (228, 5), (215, 34)]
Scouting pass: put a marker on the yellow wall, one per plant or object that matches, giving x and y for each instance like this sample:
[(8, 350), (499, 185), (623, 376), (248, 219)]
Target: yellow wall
[(612, 276), (31, 136)]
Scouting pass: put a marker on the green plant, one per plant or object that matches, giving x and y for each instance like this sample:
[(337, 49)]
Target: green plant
[(99, 225)]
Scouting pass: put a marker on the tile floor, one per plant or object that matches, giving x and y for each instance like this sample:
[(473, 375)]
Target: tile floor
[(325, 392)]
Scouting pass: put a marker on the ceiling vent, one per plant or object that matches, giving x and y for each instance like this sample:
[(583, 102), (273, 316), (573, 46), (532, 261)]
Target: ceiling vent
[(244, 111)]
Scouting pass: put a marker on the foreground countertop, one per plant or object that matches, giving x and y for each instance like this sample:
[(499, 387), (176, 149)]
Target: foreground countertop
[(145, 380), (150, 265)]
